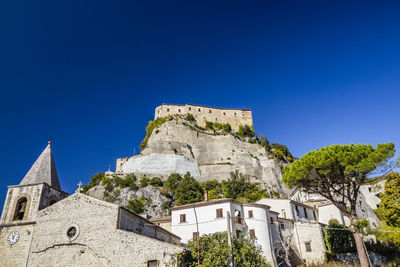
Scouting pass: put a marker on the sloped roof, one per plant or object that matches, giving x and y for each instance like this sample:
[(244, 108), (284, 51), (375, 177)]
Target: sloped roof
[(43, 170)]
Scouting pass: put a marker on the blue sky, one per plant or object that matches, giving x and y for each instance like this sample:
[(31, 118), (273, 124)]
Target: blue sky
[(90, 74)]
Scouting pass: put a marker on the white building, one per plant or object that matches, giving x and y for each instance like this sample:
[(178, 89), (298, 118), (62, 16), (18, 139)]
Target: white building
[(253, 220), (300, 228)]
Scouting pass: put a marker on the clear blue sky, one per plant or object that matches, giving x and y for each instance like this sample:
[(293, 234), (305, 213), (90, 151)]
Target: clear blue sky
[(90, 73)]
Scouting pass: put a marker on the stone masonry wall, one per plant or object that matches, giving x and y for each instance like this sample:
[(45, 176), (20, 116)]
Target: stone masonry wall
[(99, 242), (234, 117)]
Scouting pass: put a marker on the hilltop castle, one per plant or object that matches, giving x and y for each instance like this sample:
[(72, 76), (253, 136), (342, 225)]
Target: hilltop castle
[(234, 117)]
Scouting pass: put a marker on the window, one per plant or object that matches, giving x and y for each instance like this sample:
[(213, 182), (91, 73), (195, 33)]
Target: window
[(282, 226), (71, 232), (153, 263), (272, 220), (234, 113), (305, 213), (209, 111), (20, 209), (199, 109), (308, 246), (179, 110), (216, 119), (219, 213), (315, 215), (252, 234), (250, 213), (182, 218), (194, 235), (224, 113), (190, 108), (167, 109), (297, 210)]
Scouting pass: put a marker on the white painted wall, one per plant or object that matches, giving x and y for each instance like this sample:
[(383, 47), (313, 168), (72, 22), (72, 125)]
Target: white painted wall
[(208, 223)]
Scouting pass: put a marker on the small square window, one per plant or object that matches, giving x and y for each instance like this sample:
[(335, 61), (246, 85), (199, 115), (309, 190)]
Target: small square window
[(224, 113), (167, 109), (308, 246), (252, 234), (250, 213), (209, 111), (219, 213), (179, 110), (282, 226), (190, 108), (182, 218), (199, 109), (216, 119), (153, 263), (234, 113)]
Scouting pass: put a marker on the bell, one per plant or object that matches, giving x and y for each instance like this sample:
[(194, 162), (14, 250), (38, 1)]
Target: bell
[(23, 207)]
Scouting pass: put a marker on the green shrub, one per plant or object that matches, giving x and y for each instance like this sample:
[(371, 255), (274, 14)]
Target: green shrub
[(190, 117), (245, 131), (188, 191), (172, 182), (95, 180), (144, 181), (338, 241), (156, 181), (151, 126), (135, 206), (252, 140)]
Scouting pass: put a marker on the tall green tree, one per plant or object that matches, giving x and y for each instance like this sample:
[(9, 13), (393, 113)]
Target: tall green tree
[(336, 172), (389, 208), (215, 252), (188, 191)]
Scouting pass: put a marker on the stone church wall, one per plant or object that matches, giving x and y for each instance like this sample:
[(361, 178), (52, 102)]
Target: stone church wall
[(98, 242), (234, 117)]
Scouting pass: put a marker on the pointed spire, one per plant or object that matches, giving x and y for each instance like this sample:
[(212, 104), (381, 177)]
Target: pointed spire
[(43, 170)]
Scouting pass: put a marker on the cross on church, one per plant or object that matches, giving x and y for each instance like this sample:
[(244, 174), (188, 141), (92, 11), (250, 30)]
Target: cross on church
[(79, 185)]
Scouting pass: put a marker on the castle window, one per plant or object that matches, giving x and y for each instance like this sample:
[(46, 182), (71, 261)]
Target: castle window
[(308, 246), (252, 234), (167, 109), (199, 109), (153, 263), (190, 108), (20, 209), (250, 213), (234, 113), (224, 113), (282, 226), (179, 110), (219, 213), (182, 218), (209, 111), (216, 119)]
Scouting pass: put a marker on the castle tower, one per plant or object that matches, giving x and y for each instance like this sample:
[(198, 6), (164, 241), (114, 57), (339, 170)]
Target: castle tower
[(39, 189)]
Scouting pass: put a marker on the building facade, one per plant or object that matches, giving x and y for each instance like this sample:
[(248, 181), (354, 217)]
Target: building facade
[(234, 117), (41, 226), (255, 221), (302, 230)]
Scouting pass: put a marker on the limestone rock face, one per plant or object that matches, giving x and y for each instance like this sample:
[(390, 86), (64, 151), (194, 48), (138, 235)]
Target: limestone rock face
[(216, 155), (161, 164)]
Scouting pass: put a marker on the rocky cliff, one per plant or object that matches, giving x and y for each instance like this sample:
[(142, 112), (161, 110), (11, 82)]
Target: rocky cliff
[(180, 146)]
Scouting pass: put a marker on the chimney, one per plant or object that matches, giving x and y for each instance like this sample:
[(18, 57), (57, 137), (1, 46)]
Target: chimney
[(205, 195)]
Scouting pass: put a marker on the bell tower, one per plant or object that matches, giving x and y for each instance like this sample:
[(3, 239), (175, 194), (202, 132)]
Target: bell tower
[(39, 189)]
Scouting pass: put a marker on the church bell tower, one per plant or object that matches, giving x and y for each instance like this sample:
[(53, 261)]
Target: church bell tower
[(39, 189)]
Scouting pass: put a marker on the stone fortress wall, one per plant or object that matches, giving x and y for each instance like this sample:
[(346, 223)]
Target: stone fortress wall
[(234, 117)]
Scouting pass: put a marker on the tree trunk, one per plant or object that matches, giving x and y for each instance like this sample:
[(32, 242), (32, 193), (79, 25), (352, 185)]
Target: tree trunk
[(362, 254)]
